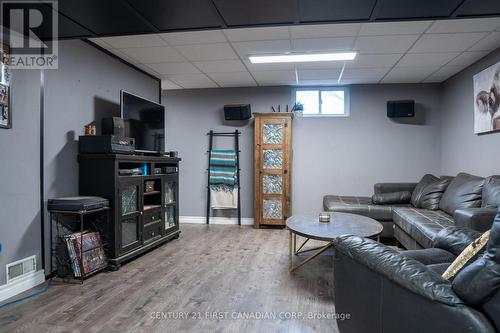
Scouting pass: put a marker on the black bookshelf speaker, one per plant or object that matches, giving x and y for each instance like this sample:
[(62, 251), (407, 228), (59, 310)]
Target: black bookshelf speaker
[(399, 109), (113, 126), (237, 112)]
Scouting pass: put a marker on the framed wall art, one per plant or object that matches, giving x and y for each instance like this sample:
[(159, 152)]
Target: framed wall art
[(487, 100)]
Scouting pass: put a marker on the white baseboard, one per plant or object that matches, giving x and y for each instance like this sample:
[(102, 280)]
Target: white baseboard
[(215, 220), (22, 284)]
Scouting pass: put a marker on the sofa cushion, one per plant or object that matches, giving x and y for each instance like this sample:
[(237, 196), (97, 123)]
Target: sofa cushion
[(358, 205), (491, 192), (422, 224), (464, 191), (422, 184), (432, 194), (401, 197)]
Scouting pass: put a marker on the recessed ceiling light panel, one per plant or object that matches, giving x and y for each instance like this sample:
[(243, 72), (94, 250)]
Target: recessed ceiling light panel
[(305, 57)]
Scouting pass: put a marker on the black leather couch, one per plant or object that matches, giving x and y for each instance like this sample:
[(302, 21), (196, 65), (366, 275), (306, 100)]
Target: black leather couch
[(383, 290), (434, 204)]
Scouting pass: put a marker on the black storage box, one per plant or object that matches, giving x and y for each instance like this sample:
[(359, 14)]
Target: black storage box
[(74, 204)]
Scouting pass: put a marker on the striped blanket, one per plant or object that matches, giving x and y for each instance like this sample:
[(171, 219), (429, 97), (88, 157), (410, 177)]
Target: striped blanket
[(222, 169)]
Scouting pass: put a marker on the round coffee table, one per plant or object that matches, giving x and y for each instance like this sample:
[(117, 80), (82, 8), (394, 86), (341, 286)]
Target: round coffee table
[(309, 227)]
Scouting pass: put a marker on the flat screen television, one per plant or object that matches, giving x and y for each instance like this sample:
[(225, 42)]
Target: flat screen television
[(144, 121)]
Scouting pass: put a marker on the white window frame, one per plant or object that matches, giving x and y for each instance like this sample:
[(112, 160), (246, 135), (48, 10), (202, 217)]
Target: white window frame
[(347, 99)]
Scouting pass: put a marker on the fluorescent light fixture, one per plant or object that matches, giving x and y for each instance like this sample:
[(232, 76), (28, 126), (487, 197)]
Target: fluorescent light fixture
[(305, 57)]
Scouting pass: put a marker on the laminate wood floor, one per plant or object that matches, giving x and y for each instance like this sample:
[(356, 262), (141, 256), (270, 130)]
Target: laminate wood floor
[(217, 268)]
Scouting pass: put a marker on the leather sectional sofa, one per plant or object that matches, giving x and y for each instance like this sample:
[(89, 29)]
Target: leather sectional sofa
[(385, 290), (415, 212)]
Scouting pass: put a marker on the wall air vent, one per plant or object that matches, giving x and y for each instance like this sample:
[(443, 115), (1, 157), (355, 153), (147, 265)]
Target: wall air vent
[(20, 268)]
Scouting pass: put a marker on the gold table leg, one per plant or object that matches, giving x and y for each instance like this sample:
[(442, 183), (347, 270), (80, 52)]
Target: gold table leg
[(293, 251)]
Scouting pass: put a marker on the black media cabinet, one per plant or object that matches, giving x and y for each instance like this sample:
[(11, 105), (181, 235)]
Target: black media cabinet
[(143, 192)]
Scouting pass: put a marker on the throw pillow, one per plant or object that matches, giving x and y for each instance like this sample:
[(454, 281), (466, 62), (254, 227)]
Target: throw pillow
[(401, 197), (417, 192), (466, 255)]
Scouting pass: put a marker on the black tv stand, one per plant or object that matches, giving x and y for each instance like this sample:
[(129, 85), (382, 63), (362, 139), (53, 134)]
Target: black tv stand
[(144, 203)]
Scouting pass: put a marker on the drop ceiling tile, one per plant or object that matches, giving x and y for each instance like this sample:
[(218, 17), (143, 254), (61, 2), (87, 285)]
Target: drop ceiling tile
[(148, 70), (324, 30), (123, 56), (384, 44), (124, 42), (193, 37), (359, 81), (371, 74), (237, 79), (205, 52), (323, 44), (393, 28), (467, 58), (169, 85), (153, 54), (277, 83), (317, 82), (253, 34), (408, 74), (412, 9), (489, 43), (426, 59), (274, 76), (245, 49), (465, 25), (443, 73), (220, 66), (191, 81), (173, 68), (319, 74), (100, 42), (375, 60), (334, 10), (446, 42), (255, 12)]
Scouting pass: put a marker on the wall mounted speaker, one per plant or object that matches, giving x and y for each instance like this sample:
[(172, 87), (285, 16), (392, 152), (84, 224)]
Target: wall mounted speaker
[(398, 109), (237, 112)]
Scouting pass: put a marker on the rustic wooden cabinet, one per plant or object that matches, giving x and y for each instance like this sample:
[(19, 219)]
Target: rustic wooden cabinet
[(272, 167)]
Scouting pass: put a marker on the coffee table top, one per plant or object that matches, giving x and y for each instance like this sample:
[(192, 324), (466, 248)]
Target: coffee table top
[(308, 225)]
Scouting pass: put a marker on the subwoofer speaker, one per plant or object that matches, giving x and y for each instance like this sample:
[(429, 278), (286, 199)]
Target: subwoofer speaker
[(237, 112), (398, 109)]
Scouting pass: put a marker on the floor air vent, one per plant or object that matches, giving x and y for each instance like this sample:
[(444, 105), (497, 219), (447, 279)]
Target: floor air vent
[(21, 268)]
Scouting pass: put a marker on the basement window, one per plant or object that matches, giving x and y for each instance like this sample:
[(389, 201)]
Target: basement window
[(323, 101)]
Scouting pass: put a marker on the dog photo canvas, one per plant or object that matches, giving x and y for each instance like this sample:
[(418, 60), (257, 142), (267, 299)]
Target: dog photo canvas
[(487, 100)]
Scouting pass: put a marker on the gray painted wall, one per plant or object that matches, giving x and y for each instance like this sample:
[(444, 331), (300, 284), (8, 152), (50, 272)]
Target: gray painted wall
[(348, 155), (331, 155), (19, 170), (462, 150), (85, 88), (190, 114)]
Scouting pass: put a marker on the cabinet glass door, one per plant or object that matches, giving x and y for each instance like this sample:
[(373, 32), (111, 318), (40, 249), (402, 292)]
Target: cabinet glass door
[(272, 169), (170, 203), (170, 217), (170, 192), (130, 222)]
